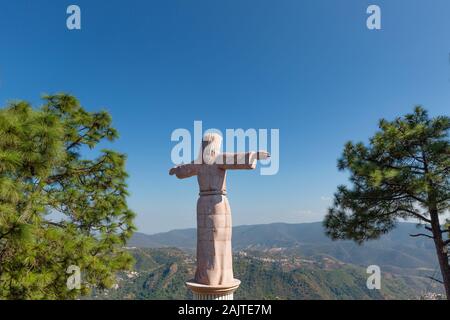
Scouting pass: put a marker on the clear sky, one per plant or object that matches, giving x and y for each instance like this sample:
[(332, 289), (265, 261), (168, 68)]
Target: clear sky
[(310, 68)]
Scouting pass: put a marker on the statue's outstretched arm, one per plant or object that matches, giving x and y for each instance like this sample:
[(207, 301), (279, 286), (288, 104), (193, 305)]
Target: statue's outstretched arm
[(184, 170), (241, 160)]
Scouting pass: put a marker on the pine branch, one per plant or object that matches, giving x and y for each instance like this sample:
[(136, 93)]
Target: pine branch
[(441, 231), (81, 137), (417, 215), (434, 279), (55, 224), (421, 235)]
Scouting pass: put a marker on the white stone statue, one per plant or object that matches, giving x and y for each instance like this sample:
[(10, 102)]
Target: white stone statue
[(214, 256)]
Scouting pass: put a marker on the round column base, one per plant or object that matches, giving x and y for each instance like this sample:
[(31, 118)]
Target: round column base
[(219, 292)]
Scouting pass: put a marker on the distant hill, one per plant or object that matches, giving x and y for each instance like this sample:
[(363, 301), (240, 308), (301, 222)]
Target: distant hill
[(162, 273), (395, 251), (285, 261)]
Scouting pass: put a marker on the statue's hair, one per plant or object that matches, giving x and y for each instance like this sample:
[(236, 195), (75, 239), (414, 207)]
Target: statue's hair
[(210, 149)]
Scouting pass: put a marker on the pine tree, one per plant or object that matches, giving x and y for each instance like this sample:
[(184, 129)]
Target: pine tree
[(403, 173), (58, 208)]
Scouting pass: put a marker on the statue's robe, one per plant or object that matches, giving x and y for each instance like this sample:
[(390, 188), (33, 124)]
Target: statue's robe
[(214, 227)]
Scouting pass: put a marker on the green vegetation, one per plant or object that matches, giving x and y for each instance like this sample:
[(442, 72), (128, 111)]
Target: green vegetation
[(57, 208), (395, 250), (162, 274), (403, 173)]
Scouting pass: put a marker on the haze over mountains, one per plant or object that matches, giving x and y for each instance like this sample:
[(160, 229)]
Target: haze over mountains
[(162, 273), (285, 261), (393, 250)]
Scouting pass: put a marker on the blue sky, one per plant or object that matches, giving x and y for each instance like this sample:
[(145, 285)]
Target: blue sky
[(310, 68)]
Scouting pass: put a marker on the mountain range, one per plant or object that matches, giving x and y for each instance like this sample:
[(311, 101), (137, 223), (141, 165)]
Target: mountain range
[(285, 261), (395, 251)]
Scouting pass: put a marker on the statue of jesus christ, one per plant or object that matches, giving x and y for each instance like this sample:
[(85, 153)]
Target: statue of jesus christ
[(214, 257)]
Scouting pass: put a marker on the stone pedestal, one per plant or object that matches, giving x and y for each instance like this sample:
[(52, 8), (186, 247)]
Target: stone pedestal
[(219, 292)]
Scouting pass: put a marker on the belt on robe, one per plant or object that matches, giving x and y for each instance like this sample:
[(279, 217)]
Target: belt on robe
[(213, 192)]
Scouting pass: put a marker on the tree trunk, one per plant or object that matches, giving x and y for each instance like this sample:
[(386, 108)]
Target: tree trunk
[(441, 251)]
